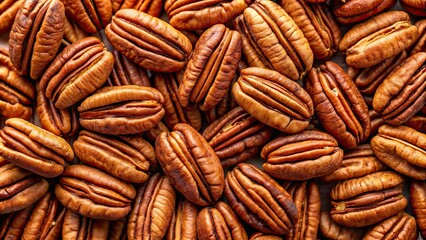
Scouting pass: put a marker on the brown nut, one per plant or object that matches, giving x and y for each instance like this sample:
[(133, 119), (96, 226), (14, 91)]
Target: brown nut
[(263, 236), (378, 38), (91, 16), (273, 99), (420, 45), (219, 222), (118, 110), (333, 231), (118, 229), (358, 10), (36, 36), (418, 123), (191, 164), (302, 156), (78, 227), (72, 32), (317, 24), (339, 105), (376, 122), (33, 148), (93, 193), (403, 149), (418, 200), (183, 225), (148, 41), (402, 94), (416, 7), (152, 7), (8, 10), (367, 200), (126, 72), (12, 224), (236, 137), (78, 71), (271, 39), (399, 226), (154, 132), (152, 209), (117, 155), (226, 104), (198, 15), (259, 200)]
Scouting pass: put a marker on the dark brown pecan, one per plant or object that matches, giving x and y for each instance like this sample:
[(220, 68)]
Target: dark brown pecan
[(118, 229), (154, 132), (317, 24), (152, 209), (403, 149), (367, 200), (418, 123), (378, 38), (126, 72), (358, 10), (273, 99), (191, 164), (220, 223), (402, 93), (212, 67), (302, 156), (33, 148), (399, 226), (197, 15), (36, 36), (72, 32), (93, 193), (183, 225), (420, 45), (376, 122), (78, 71), (125, 109), (19, 188), (259, 200), (236, 137), (168, 85), (78, 227), (272, 39), (333, 231), (339, 105), (8, 10), (12, 225), (119, 156), (418, 199), (148, 41), (263, 236), (152, 7), (91, 16), (416, 7)]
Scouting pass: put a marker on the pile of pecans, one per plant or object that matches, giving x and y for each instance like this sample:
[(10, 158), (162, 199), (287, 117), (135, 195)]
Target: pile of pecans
[(120, 125)]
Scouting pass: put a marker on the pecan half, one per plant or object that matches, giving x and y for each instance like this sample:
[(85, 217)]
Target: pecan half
[(418, 123), (263, 236), (78, 227), (12, 224), (152, 7), (126, 72), (416, 7), (399, 226), (417, 200), (72, 32), (420, 45), (333, 231), (183, 225), (91, 16), (8, 10), (358, 10)]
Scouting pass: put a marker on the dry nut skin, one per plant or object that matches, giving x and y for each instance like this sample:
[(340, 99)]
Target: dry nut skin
[(126, 72), (8, 10), (317, 24), (91, 16), (399, 227), (302, 156), (152, 209), (152, 7), (418, 202), (353, 11), (148, 41), (403, 149), (36, 36), (19, 188), (93, 193), (191, 164), (420, 45), (78, 227), (333, 231), (378, 38), (416, 7), (183, 225), (236, 137), (197, 15), (34, 148), (271, 39), (118, 110), (367, 200), (273, 99), (402, 94), (339, 105), (78, 71), (115, 155), (259, 200)]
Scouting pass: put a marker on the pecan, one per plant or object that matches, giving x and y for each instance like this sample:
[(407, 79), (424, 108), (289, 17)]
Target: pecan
[(376, 122), (418, 199), (399, 226), (420, 45), (8, 10), (78, 227), (12, 224), (72, 32), (333, 231), (183, 225), (358, 10), (418, 123), (416, 7), (154, 132), (91, 16), (118, 229), (152, 7), (263, 236), (126, 72)]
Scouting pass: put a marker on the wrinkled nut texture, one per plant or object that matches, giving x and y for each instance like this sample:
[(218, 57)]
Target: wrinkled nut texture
[(72, 32), (191, 164), (33, 148), (78, 227), (117, 155), (259, 200), (93, 193), (317, 24), (420, 45), (36, 36), (418, 123), (302, 156), (8, 10), (403, 149), (219, 222), (183, 224), (271, 39), (126, 72), (402, 94), (354, 11), (152, 209), (339, 105), (400, 226), (416, 7), (12, 224), (367, 200), (198, 15), (263, 236), (273, 99), (125, 109), (236, 137), (226, 104), (152, 7), (19, 188), (418, 202), (333, 231), (91, 16), (78, 71), (378, 38), (148, 41)]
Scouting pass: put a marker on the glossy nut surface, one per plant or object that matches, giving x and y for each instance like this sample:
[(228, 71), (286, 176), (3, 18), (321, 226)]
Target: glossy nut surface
[(420, 44), (416, 7), (78, 227), (183, 225), (8, 10), (126, 72), (418, 202), (152, 7), (400, 226), (91, 16), (353, 11), (333, 231)]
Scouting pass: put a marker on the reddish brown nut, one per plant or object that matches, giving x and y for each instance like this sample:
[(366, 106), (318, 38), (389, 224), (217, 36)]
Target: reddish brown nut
[(399, 226), (119, 110), (418, 123), (78, 227), (154, 132), (339, 105), (380, 37), (333, 231), (12, 224), (418, 202), (8, 10), (118, 229), (416, 7), (259, 200), (126, 72), (376, 122), (91, 16), (72, 32), (358, 10), (183, 225), (420, 45), (152, 7), (302, 156), (152, 209), (263, 236)]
